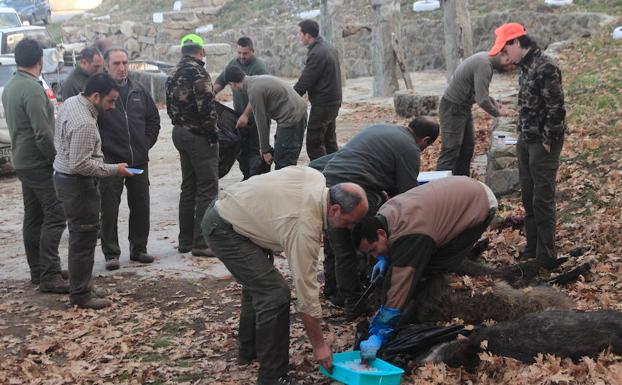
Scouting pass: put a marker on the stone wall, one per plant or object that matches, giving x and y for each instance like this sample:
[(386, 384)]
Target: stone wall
[(284, 55), (422, 40)]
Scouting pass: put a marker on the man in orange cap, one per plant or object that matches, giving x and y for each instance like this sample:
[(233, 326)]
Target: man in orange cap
[(541, 127)]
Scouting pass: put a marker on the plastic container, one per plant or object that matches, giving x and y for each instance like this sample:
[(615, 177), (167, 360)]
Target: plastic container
[(558, 3), (426, 5), (387, 374), (429, 176), (500, 140), (617, 33)]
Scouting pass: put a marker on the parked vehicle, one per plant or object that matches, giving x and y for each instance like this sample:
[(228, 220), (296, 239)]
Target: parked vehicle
[(9, 37), (9, 18), (31, 11), (6, 72)]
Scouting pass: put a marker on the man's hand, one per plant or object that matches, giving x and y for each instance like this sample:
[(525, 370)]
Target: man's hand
[(324, 356), (122, 170), (242, 121), (370, 347), (267, 157), (321, 350), (379, 268), (547, 147)]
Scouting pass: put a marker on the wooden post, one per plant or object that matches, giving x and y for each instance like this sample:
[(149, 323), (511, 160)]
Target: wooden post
[(331, 29), (401, 62), (383, 58), (458, 34)]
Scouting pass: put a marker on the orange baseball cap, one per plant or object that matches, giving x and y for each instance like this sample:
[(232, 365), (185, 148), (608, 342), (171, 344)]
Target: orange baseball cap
[(505, 33)]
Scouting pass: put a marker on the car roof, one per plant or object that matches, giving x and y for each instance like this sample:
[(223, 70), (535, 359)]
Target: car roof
[(7, 10), (24, 28)]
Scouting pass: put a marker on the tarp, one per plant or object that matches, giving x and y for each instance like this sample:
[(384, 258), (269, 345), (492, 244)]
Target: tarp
[(411, 341), (229, 139)]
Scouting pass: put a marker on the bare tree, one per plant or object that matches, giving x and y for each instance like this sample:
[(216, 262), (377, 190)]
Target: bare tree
[(458, 34), (331, 28), (383, 58)]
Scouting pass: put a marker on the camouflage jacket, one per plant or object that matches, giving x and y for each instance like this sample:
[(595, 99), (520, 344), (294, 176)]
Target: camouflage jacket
[(190, 99), (541, 112)]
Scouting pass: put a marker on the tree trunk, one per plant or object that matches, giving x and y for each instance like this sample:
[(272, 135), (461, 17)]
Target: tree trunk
[(458, 34), (331, 28), (383, 59)]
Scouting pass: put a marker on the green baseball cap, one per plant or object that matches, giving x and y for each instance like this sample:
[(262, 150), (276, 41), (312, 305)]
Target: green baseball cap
[(191, 38)]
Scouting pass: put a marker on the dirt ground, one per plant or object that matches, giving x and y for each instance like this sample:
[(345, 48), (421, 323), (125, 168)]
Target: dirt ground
[(174, 321)]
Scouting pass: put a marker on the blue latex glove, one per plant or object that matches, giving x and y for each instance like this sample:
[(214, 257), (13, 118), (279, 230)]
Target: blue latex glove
[(379, 268), (370, 347), (382, 327)]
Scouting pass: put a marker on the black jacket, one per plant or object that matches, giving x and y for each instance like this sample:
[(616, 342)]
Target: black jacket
[(321, 77), (130, 129)]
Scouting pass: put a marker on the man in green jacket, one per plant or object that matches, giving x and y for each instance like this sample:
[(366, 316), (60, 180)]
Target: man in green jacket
[(91, 62), (249, 159), (30, 118)]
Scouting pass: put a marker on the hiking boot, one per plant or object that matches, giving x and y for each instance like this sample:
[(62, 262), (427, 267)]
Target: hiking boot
[(99, 292), (551, 263), (56, 285), (36, 280), (142, 258), (246, 360), (95, 304), (283, 380), (523, 255), (112, 264), (337, 301), (206, 252), (184, 249)]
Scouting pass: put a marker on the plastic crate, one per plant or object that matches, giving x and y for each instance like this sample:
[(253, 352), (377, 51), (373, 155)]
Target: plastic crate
[(387, 374)]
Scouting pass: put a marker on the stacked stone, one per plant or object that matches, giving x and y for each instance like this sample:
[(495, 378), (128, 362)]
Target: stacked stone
[(149, 40), (502, 166), (410, 104)]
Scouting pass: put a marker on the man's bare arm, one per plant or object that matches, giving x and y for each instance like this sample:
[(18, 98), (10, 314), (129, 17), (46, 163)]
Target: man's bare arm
[(321, 350)]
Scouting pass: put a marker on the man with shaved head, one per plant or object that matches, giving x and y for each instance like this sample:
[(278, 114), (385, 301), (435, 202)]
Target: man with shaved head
[(295, 206)]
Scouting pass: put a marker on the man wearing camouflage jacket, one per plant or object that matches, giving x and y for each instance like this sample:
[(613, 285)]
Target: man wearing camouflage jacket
[(541, 127), (190, 105)]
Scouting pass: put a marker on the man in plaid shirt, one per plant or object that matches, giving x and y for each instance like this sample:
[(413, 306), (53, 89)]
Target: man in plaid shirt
[(78, 165)]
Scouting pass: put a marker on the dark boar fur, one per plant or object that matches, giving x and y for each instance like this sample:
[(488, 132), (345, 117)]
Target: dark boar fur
[(563, 333), (436, 301)]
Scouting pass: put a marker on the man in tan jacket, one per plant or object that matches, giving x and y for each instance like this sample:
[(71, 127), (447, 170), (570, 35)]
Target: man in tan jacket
[(284, 210)]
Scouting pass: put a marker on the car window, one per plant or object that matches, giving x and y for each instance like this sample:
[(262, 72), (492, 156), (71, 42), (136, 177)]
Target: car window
[(12, 38), (6, 72), (17, 3), (9, 20)]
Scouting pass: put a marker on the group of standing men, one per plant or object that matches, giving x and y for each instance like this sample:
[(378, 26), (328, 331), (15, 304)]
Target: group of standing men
[(73, 168), (258, 98)]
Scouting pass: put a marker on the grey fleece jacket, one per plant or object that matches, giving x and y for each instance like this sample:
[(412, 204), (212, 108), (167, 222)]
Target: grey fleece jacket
[(272, 98), (469, 84)]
